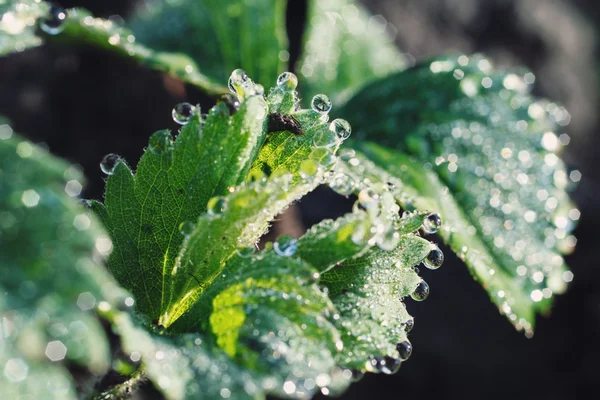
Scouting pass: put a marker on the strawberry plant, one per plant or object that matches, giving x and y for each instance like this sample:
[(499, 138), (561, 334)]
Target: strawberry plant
[(167, 268)]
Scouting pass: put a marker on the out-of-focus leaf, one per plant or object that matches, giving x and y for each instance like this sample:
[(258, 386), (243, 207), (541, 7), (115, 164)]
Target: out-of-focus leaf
[(484, 158), (51, 253), (345, 48), (28, 23), (220, 35)]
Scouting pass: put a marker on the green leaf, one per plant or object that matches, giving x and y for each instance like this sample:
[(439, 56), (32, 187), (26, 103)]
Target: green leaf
[(256, 295), (484, 158), (22, 26), (367, 283), (172, 186), (184, 366), (345, 48), (219, 35), (367, 292), (51, 253)]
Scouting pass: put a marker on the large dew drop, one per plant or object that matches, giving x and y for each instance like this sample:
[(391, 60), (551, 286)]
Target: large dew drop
[(342, 184), (160, 142), (109, 162), (434, 259), (55, 22), (246, 252), (238, 78), (285, 245), (341, 127), (432, 223), (321, 104), (216, 205), (183, 112), (287, 81), (421, 292)]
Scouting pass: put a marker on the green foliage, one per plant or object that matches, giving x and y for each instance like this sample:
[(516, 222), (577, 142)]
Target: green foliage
[(229, 33), (214, 317), (490, 170), (345, 48), (51, 251)]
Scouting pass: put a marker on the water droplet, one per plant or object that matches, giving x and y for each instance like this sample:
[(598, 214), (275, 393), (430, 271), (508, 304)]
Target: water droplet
[(109, 162), (409, 325), (247, 252), (387, 365), (309, 169), (357, 375), (186, 228), (54, 23), (432, 223), (287, 81), (238, 78), (183, 112), (421, 292), (404, 349), (216, 205), (321, 104), (160, 141), (286, 245), (434, 259), (341, 127), (391, 366)]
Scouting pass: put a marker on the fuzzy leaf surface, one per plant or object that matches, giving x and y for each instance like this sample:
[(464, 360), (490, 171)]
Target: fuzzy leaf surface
[(482, 153), (52, 274), (345, 47)]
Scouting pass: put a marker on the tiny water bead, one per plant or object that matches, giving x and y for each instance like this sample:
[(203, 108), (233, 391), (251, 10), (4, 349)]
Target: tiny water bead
[(321, 104), (285, 245), (54, 23), (404, 349), (432, 223), (238, 77), (421, 292), (109, 162), (183, 112), (409, 325), (216, 205), (368, 198), (341, 127), (287, 81), (434, 259)]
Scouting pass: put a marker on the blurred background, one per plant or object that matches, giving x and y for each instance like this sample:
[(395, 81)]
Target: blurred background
[(84, 104)]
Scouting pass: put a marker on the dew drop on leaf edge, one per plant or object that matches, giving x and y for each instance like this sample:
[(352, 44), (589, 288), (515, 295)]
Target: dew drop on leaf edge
[(321, 104), (421, 292), (341, 127), (285, 245), (55, 22), (287, 81), (109, 162), (238, 77), (432, 223), (187, 227), (434, 259), (183, 112)]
